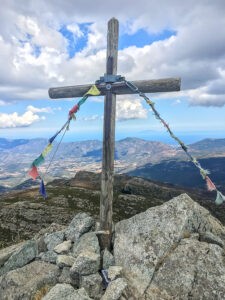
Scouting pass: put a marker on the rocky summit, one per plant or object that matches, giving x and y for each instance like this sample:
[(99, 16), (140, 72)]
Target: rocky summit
[(171, 251), (23, 213)]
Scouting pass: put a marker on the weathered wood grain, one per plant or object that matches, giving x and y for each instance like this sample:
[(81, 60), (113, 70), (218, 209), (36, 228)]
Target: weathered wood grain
[(106, 198), (119, 88)]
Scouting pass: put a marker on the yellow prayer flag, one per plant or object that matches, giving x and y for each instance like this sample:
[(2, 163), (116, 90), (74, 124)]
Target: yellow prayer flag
[(94, 91), (47, 150)]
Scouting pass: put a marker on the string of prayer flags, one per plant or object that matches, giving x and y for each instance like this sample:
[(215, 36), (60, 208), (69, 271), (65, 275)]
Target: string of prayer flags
[(94, 91), (41, 158), (42, 190), (204, 173), (51, 140)]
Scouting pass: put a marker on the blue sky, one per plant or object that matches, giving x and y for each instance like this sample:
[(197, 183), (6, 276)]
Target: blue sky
[(40, 50)]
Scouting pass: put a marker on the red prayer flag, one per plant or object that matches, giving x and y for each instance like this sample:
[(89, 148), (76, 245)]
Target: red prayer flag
[(73, 110), (33, 172), (210, 185)]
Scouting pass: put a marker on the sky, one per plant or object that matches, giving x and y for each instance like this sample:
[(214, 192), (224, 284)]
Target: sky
[(56, 43)]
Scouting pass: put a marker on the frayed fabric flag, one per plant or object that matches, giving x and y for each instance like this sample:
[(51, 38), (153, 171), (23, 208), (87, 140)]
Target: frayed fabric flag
[(53, 137), (73, 110), (38, 161), (47, 150), (82, 100), (42, 190), (94, 91), (203, 172), (220, 198), (33, 173), (210, 185)]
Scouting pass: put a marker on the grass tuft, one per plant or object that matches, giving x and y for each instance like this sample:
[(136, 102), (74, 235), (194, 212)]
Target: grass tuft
[(41, 293)]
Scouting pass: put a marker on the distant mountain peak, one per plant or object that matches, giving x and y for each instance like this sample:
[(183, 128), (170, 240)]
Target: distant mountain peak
[(209, 144), (131, 139), (10, 143)]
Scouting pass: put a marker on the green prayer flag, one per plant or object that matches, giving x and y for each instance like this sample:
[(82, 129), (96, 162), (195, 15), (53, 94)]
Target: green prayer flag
[(82, 100), (38, 161)]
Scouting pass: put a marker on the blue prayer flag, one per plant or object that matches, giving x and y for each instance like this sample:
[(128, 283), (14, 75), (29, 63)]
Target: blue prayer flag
[(53, 137), (42, 189)]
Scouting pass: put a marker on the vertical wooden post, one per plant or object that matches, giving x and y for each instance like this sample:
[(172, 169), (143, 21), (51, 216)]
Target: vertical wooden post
[(106, 199)]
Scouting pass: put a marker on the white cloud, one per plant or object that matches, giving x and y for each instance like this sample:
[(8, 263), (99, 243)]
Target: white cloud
[(96, 38), (176, 102), (75, 29), (39, 110), (41, 34), (129, 108), (2, 103), (91, 118), (34, 53), (14, 120), (31, 116), (57, 108), (202, 97), (98, 99)]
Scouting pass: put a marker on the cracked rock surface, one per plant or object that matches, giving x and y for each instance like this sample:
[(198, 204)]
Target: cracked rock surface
[(161, 260), (22, 283), (194, 268)]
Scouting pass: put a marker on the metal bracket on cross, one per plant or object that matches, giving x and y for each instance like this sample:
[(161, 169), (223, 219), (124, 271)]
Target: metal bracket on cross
[(108, 79)]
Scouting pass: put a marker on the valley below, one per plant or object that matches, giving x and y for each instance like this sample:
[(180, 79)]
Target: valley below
[(133, 156)]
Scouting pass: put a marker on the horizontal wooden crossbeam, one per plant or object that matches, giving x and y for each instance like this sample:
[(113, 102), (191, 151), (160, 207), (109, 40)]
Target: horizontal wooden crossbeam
[(118, 88)]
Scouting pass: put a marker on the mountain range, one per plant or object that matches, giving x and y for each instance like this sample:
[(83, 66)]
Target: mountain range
[(138, 157)]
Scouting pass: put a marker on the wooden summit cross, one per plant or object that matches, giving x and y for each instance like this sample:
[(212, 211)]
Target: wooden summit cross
[(111, 85)]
